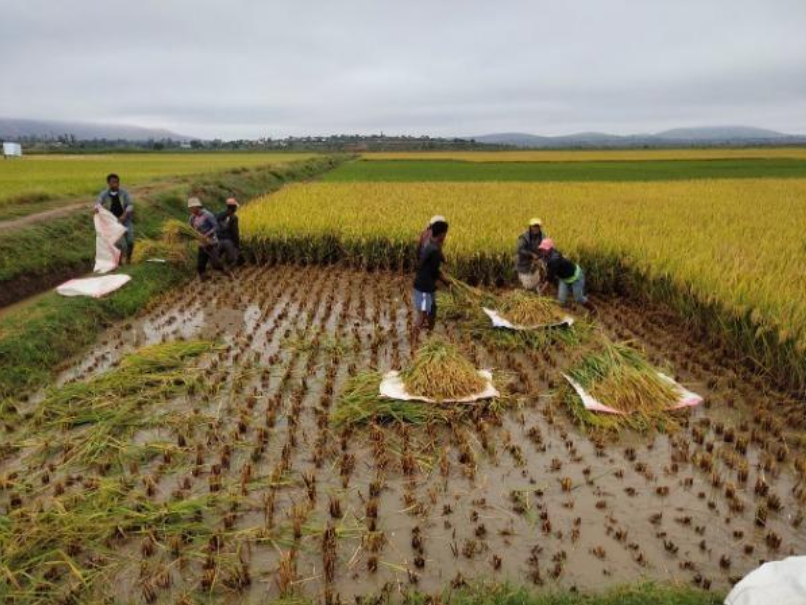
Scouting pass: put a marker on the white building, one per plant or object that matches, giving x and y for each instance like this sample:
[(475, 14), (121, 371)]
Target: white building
[(12, 150)]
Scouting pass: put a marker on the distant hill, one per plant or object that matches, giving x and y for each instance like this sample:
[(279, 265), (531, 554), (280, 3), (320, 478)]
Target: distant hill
[(11, 129), (705, 136)]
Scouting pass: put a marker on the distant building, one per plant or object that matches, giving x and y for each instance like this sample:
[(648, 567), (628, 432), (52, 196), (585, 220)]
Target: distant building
[(184, 145), (12, 150)]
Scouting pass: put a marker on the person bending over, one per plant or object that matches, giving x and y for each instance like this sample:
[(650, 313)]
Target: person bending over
[(204, 223), (568, 275), (527, 266)]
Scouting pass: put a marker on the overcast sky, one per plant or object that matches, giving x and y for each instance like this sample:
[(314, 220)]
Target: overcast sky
[(249, 68)]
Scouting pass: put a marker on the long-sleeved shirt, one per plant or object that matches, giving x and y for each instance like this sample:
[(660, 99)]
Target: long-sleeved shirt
[(228, 228), (120, 205), (206, 224), (527, 244)]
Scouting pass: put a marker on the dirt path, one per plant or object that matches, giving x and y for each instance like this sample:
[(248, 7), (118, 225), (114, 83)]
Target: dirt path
[(527, 497), (72, 206)]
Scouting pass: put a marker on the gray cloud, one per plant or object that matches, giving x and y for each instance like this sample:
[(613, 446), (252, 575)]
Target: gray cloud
[(251, 68)]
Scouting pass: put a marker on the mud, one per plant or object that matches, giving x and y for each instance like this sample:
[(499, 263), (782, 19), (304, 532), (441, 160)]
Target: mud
[(529, 498)]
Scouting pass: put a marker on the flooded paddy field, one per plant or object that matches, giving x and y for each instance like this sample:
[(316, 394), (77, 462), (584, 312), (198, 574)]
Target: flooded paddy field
[(240, 488)]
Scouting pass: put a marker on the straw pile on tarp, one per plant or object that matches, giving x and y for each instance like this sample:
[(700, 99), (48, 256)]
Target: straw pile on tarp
[(621, 378), (464, 304), (527, 309), (439, 371)]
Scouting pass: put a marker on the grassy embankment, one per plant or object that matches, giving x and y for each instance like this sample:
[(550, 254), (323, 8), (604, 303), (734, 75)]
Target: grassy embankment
[(36, 337), (638, 594)]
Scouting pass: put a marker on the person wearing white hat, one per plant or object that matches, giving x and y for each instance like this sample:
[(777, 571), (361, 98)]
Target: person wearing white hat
[(528, 269), (229, 236), (204, 223), (425, 236)]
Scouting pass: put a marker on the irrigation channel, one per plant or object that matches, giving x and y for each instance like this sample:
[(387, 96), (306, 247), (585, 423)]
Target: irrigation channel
[(291, 504)]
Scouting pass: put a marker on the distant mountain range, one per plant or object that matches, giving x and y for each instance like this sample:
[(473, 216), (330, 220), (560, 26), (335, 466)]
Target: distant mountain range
[(707, 135), (12, 129)]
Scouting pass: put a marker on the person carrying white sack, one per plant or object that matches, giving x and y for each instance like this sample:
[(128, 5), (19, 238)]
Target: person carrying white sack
[(119, 203)]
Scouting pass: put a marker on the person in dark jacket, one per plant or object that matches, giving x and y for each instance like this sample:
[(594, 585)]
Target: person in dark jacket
[(567, 274), (427, 276), (204, 223), (229, 237), (119, 202), (528, 269)]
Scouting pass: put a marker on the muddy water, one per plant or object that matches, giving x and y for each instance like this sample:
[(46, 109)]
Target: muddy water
[(530, 498)]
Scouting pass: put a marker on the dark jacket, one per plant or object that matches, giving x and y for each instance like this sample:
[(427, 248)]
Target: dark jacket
[(228, 228), (430, 260), (527, 243), (559, 267)]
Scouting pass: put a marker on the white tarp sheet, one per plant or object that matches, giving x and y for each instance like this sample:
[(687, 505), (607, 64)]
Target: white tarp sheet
[(96, 287), (775, 583), (500, 322), (686, 399), (107, 232), (12, 150), (392, 387)]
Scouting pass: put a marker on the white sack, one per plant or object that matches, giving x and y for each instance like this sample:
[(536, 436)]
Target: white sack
[(96, 287), (107, 232), (392, 387), (775, 583), (686, 397), (500, 322)]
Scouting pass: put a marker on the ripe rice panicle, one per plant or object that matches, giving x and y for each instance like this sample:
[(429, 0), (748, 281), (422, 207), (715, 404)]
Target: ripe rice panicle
[(439, 371)]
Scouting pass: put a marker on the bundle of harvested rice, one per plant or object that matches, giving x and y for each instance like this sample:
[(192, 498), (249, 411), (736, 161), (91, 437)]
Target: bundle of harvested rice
[(439, 371), (176, 231), (176, 253), (525, 309), (360, 404), (618, 376), (469, 298)]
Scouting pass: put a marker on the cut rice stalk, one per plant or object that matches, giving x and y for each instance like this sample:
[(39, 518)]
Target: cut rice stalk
[(619, 377), (439, 371), (176, 253), (525, 309), (360, 403), (176, 231)]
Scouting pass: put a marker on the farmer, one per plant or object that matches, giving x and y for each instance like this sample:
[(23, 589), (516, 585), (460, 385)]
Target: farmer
[(229, 236), (426, 233), (204, 223), (119, 202), (529, 270), (428, 274), (568, 275)]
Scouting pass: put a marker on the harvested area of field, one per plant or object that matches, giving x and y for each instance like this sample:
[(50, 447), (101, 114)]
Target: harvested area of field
[(39, 181), (225, 477), (585, 155), (576, 171)]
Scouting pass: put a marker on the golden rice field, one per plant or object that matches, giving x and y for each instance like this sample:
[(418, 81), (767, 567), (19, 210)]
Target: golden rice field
[(612, 155), (734, 246), (74, 175)]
